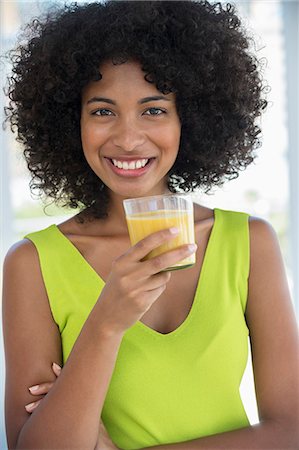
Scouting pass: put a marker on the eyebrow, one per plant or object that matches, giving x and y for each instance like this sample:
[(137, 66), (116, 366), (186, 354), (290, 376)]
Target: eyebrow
[(141, 101)]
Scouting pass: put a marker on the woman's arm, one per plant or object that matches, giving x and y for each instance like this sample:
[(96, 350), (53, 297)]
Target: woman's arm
[(104, 441), (275, 353)]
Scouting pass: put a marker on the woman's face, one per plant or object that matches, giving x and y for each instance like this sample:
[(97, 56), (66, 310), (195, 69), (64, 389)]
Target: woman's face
[(125, 118)]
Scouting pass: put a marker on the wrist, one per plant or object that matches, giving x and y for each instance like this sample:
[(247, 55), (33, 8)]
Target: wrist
[(110, 332)]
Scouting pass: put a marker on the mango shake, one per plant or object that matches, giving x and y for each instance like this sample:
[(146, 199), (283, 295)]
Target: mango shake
[(142, 224)]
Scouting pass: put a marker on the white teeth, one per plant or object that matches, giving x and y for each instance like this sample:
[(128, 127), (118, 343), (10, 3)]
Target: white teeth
[(130, 166)]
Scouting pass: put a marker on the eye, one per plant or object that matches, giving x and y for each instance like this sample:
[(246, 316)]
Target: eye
[(155, 110), (101, 112)]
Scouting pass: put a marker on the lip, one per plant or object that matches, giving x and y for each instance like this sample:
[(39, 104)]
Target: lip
[(130, 173)]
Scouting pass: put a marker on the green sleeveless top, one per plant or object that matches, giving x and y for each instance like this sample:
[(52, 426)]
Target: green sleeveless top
[(174, 387)]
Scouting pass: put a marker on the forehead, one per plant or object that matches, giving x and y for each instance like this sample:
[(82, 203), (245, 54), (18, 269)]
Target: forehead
[(122, 79)]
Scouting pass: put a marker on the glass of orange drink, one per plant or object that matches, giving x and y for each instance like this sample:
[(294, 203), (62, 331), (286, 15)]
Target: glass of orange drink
[(146, 215)]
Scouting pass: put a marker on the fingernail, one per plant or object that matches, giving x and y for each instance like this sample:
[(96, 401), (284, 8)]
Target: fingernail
[(192, 247), (56, 366), (173, 230), (29, 406), (34, 388)]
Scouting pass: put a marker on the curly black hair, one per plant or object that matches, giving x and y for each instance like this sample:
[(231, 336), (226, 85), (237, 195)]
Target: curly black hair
[(195, 49)]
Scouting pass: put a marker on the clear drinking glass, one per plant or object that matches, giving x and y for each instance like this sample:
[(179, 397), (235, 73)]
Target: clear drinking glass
[(145, 215)]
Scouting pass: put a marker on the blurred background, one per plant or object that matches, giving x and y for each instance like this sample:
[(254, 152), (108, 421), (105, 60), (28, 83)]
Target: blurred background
[(268, 188)]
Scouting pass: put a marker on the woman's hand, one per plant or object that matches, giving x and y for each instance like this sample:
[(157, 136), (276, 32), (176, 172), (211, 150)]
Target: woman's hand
[(42, 389), (103, 443), (134, 284)]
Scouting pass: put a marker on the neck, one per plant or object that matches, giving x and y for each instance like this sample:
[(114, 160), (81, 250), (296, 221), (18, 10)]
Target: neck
[(116, 213)]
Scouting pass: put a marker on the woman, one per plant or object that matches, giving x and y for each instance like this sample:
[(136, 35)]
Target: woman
[(157, 356)]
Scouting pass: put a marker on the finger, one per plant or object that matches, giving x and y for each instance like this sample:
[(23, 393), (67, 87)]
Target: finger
[(30, 407), (40, 389), (146, 245), (56, 369), (167, 259), (158, 280)]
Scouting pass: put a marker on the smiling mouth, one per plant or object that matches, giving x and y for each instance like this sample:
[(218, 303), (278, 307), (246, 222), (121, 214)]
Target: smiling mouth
[(126, 172), (140, 162)]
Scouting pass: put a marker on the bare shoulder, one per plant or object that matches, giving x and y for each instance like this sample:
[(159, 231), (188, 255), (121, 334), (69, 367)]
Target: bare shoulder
[(267, 269), (23, 283), (21, 252), (22, 263), (261, 230), (267, 266)]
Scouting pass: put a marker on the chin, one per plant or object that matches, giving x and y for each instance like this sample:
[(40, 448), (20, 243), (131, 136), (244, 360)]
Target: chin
[(137, 190)]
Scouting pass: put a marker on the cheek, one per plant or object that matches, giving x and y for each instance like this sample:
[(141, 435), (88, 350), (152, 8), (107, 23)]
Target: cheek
[(90, 136), (169, 131), (172, 137)]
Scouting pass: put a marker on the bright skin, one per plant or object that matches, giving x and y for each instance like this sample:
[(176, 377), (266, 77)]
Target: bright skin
[(120, 119)]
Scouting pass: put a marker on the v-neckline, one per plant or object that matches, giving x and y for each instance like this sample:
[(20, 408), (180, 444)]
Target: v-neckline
[(200, 279)]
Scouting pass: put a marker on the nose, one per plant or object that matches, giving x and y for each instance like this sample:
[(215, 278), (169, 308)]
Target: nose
[(127, 135)]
